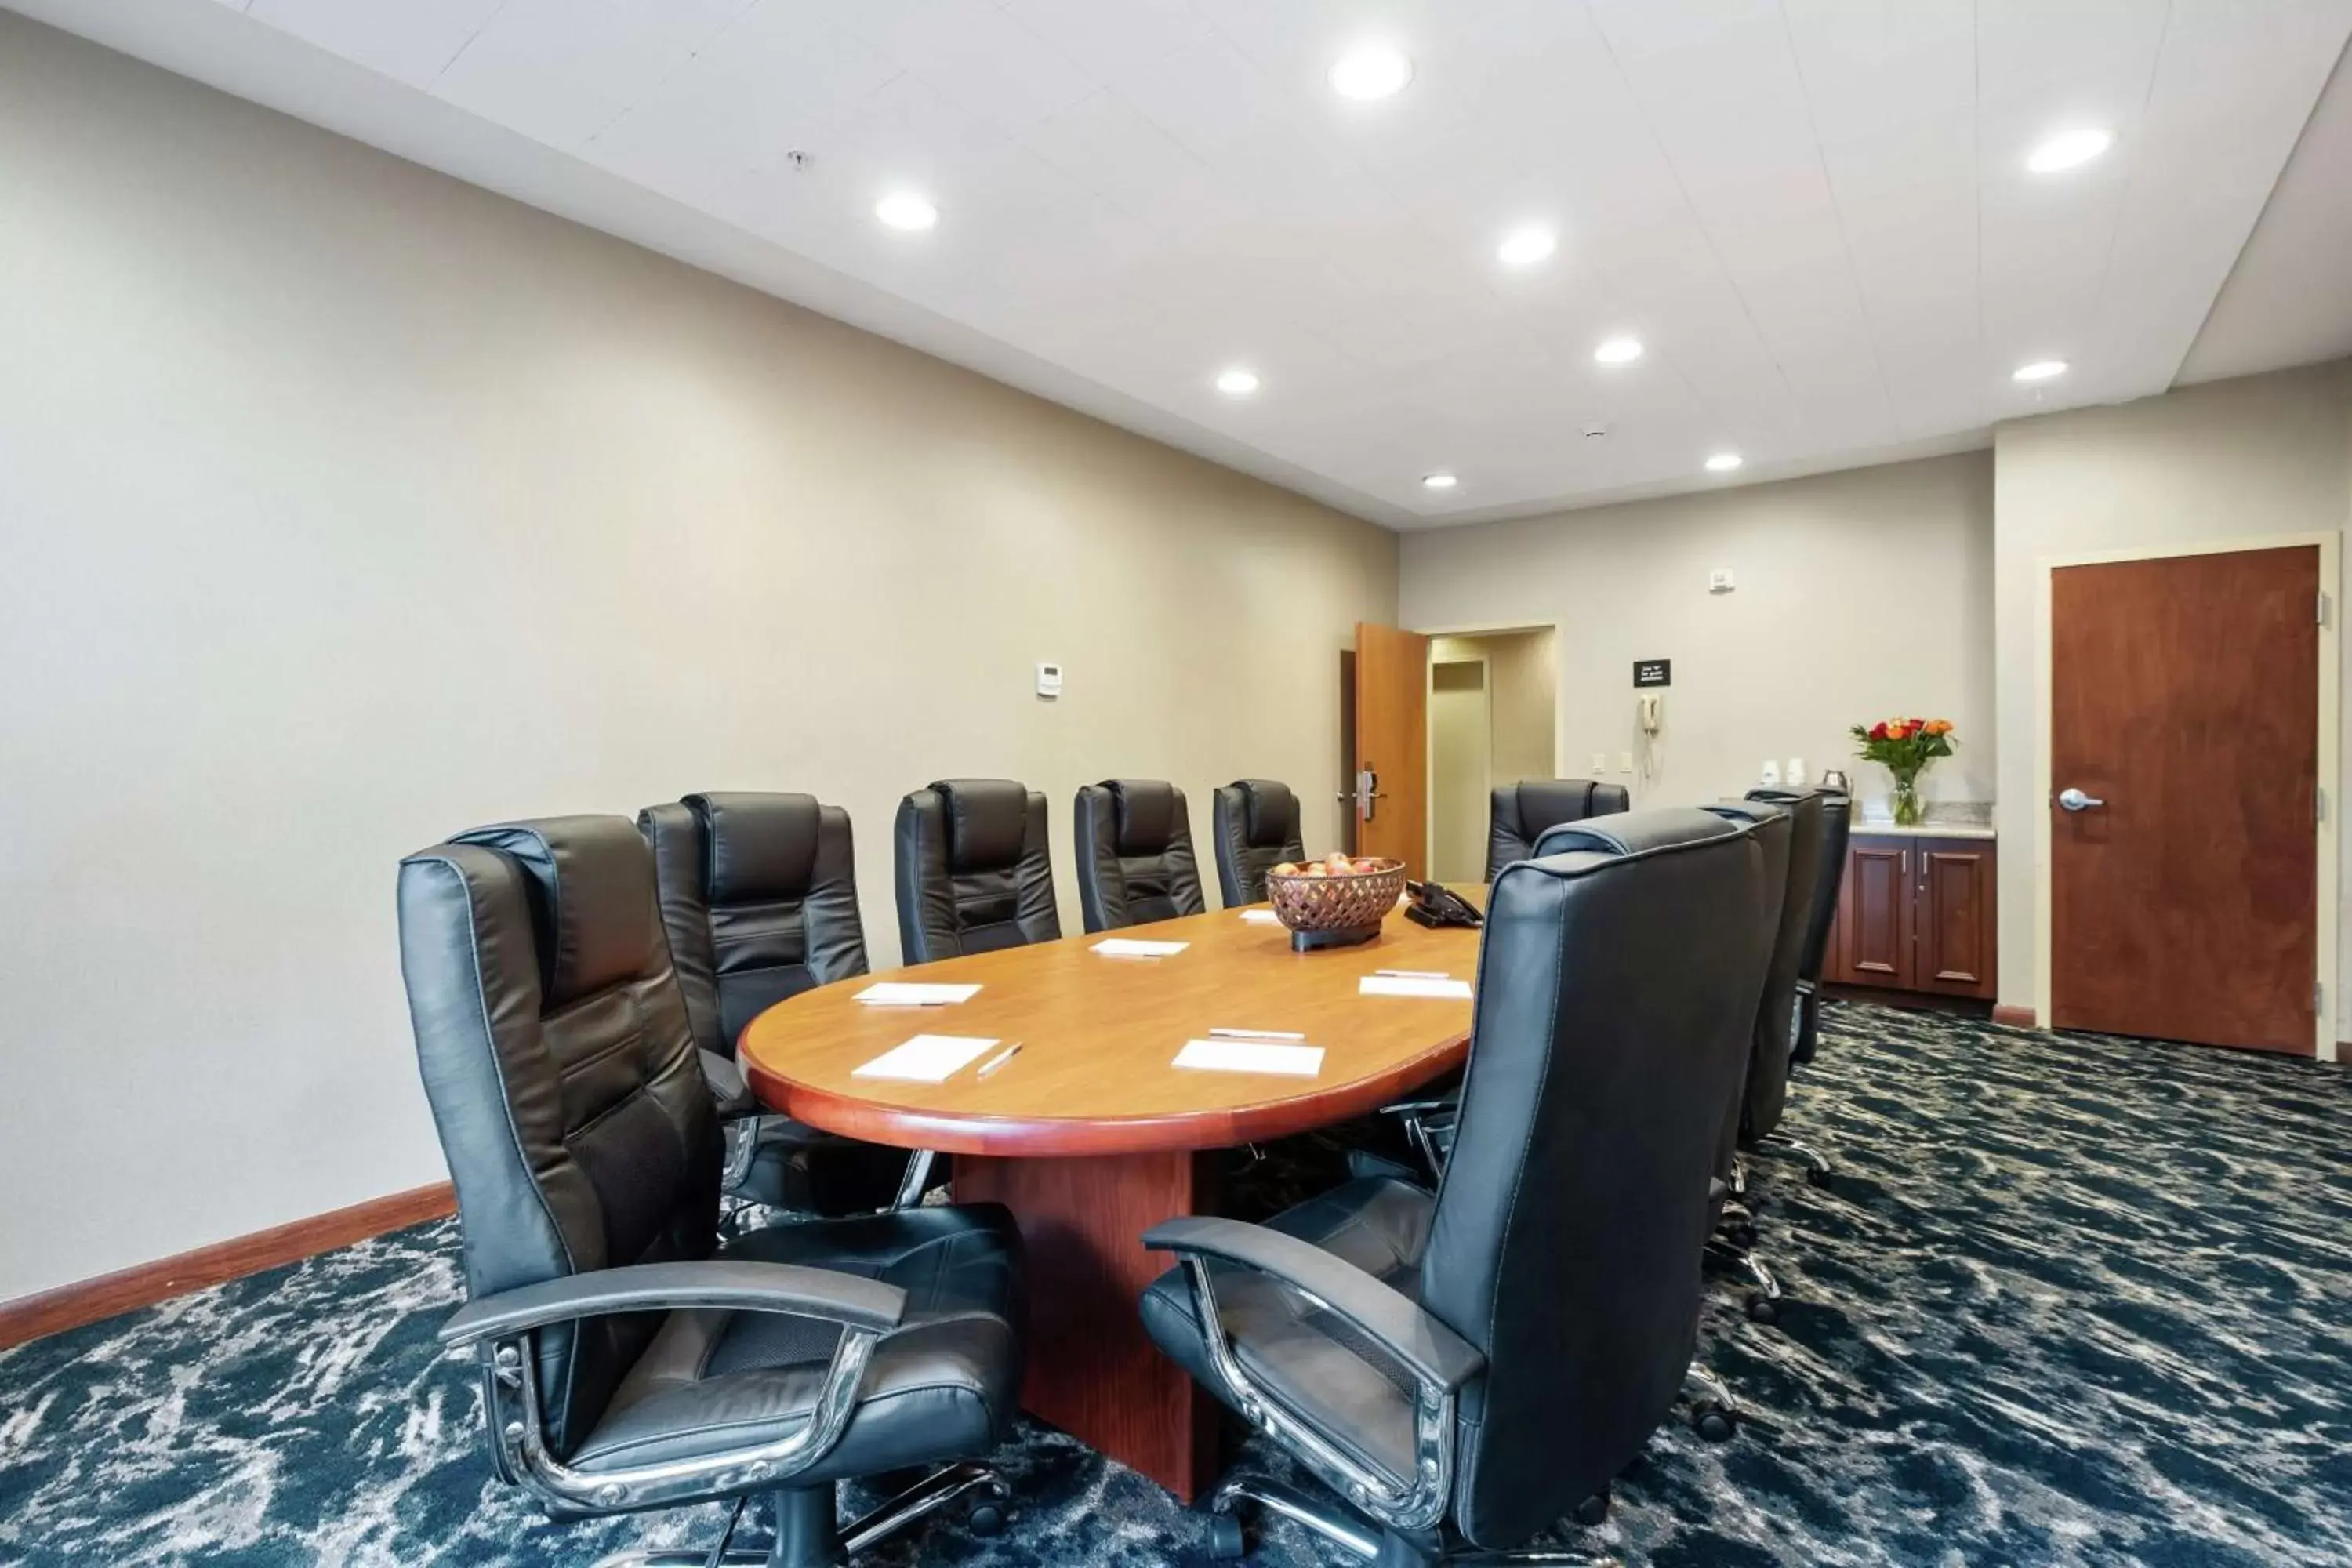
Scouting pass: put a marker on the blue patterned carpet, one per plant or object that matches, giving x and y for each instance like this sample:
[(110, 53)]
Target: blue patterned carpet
[(2076, 1301)]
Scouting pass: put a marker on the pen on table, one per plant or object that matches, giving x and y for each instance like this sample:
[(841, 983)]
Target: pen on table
[(1414, 974), (999, 1059), (1253, 1035)]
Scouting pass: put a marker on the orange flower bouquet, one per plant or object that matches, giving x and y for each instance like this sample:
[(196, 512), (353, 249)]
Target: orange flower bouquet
[(1904, 747)]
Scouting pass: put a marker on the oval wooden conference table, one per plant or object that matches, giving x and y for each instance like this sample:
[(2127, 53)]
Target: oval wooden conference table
[(1091, 1137)]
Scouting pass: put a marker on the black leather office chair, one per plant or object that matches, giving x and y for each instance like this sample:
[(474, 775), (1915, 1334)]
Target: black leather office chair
[(1468, 1368), (758, 901), (1134, 843), (1790, 832), (1761, 1133), (628, 1360), (1256, 823), (1520, 813), (1837, 823), (975, 869)]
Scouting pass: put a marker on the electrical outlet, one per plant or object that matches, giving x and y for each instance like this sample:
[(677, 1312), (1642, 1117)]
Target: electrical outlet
[(1600, 764)]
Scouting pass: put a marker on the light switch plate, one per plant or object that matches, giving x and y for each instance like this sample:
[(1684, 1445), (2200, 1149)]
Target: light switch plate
[(1625, 762), (1600, 763)]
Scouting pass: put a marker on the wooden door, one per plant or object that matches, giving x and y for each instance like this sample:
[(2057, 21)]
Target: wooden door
[(2184, 707), (1874, 918), (1391, 775), (1953, 924)]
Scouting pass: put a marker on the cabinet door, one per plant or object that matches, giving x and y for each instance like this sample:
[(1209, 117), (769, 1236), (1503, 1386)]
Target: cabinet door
[(1874, 921), (1955, 933)]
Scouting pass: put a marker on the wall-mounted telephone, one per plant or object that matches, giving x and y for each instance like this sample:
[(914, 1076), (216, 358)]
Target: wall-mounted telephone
[(1650, 718)]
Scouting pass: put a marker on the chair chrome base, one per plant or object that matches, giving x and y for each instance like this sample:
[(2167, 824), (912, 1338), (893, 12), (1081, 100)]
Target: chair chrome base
[(1714, 1415), (805, 1548), (1781, 1146), (1360, 1537)]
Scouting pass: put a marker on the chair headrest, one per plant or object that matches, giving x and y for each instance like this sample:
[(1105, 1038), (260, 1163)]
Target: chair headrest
[(1273, 812), (987, 820), (1755, 808), (1631, 832), (1545, 802), (1144, 812), (590, 882), (758, 848)]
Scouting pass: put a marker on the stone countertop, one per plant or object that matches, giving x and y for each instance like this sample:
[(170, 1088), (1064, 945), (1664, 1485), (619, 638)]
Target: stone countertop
[(1924, 830)]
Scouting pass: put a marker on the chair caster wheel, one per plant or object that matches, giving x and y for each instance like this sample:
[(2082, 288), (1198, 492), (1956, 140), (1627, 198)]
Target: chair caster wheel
[(1592, 1510), (1821, 1179), (1712, 1423), (1225, 1542), (1762, 1308), (986, 1518), (1742, 1237)]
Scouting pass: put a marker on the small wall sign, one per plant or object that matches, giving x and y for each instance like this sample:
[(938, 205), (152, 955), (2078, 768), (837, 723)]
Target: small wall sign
[(1653, 672)]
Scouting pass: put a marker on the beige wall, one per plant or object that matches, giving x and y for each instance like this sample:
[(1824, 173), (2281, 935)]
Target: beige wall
[(1859, 594), (1517, 713), (346, 506), (1460, 718), (2263, 456)]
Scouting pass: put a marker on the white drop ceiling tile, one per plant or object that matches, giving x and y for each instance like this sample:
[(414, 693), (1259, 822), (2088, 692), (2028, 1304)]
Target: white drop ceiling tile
[(702, 141), (1104, 144), (1207, 96), (2255, 75), (1637, 29), (618, 48), (1871, 67), (789, 50), (2069, 59), (975, 56), (506, 85), (408, 46), (1111, 41)]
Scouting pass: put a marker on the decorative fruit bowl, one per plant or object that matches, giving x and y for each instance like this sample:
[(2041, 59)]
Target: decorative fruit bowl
[(1335, 898)]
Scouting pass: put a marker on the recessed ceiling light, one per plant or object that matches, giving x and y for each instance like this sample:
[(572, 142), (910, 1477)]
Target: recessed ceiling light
[(1526, 246), (1371, 71), (2068, 148), (906, 210), (2040, 370), (1619, 350), (1724, 462), (1438, 482), (1238, 382)]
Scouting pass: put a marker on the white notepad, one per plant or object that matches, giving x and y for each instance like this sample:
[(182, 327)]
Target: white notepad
[(1261, 917), (926, 1058), (1132, 947), (1250, 1056), (1412, 985), (913, 994)]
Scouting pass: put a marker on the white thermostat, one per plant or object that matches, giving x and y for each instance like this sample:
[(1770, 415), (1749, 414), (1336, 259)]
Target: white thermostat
[(1049, 681), (1719, 580)]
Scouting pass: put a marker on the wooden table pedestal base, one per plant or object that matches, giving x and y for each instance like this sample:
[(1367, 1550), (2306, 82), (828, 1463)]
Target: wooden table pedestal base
[(1093, 1371)]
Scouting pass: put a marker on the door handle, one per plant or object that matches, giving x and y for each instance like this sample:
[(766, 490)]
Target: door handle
[(2076, 800)]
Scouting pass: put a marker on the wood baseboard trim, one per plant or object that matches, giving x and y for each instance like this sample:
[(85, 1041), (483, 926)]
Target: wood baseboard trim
[(2016, 1017), (145, 1284)]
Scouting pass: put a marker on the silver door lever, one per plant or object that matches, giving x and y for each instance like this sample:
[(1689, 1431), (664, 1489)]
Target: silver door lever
[(2076, 800)]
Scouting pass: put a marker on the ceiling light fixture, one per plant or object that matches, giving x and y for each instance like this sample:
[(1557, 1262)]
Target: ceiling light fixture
[(1526, 246), (1371, 71), (2040, 370), (1724, 462), (1238, 382), (1438, 482), (1619, 350), (2068, 148), (905, 211)]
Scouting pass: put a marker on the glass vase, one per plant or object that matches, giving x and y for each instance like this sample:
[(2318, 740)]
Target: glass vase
[(1907, 809)]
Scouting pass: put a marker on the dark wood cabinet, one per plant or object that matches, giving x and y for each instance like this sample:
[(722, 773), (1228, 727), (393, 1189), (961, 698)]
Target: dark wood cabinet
[(1915, 913)]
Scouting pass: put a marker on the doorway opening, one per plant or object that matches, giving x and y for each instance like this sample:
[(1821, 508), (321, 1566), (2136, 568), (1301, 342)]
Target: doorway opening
[(1493, 703)]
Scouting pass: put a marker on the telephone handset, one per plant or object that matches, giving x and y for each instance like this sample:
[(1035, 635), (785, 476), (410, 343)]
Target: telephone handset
[(1434, 905), (1650, 712)]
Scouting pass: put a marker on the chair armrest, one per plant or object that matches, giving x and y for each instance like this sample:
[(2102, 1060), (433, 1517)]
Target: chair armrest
[(1421, 1106), (849, 1299), (727, 1087), (1424, 1346)]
